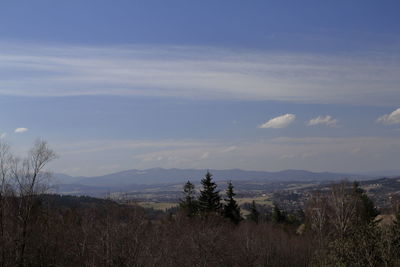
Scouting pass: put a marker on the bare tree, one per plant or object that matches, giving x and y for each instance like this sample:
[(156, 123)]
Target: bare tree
[(29, 174), (317, 214), (5, 160), (30, 180), (344, 206)]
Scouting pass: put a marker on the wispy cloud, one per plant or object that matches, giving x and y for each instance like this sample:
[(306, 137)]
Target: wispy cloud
[(282, 121), (204, 72), (229, 149), (390, 119), (323, 120), (20, 130), (205, 155), (100, 146)]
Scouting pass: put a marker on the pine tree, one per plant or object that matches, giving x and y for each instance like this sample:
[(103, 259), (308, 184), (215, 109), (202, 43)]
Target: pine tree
[(189, 204), (395, 236), (254, 213), (231, 208), (366, 210), (278, 216), (209, 200)]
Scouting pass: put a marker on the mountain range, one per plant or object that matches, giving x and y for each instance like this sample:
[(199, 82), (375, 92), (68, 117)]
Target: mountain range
[(163, 176)]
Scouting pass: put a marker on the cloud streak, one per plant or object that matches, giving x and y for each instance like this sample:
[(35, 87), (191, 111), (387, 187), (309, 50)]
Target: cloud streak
[(279, 122), (200, 72), (20, 130)]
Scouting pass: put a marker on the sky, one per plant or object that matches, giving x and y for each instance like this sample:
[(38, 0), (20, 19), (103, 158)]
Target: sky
[(256, 85)]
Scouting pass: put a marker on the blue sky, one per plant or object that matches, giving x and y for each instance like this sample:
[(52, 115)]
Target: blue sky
[(264, 85)]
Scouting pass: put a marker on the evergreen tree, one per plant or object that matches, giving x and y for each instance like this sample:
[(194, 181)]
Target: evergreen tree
[(254, 213), (395, 237), (366, 209), (189, 204), (231, 208), (278, 216), (209, 200)]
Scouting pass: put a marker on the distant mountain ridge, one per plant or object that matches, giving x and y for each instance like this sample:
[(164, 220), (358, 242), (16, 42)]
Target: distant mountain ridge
[(164, 176)]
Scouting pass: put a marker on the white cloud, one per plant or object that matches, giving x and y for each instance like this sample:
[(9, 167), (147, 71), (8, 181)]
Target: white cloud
[(279, 122), (3, 135), (324, 120), (20, 130), (390, 119), (201, 72)]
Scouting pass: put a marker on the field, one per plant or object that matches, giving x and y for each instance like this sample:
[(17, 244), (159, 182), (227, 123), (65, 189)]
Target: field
[(163, 206), (157, 205)]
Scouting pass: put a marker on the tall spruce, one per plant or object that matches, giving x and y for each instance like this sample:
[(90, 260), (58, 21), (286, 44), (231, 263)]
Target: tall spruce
[(189, 204), (278, 216), (366, 211), (209, 200), (395, 236), (254, 213), (231, 208)]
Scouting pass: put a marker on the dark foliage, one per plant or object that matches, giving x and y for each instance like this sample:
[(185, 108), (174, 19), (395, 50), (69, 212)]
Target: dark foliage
[(209, 199), (254, 213), (340, 230), (231, 208), (278, 215), (189, 205)]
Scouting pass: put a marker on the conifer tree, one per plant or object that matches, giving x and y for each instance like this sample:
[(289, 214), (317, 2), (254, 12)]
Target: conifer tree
[(278, 216), (189, 204), (231, 208), (254, 213), (209, 200), (395, 236), (366, 210)]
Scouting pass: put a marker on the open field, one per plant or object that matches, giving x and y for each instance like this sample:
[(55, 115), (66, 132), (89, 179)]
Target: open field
[(262, 200), (157, 205)]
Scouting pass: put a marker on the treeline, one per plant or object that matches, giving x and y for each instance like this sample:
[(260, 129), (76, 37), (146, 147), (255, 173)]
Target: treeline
[(338, 227), (342, 224), (209, 202)]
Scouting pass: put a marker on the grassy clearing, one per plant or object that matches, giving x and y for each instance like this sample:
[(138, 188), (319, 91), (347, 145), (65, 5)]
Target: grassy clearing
[(298, 186), (261, 200), (157, 205)]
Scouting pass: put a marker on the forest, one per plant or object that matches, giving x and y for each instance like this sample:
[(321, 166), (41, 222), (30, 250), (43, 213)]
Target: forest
[(338, 227)]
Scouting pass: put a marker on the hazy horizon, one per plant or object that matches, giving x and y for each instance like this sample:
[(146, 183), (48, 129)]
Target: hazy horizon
[(372, 174)]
